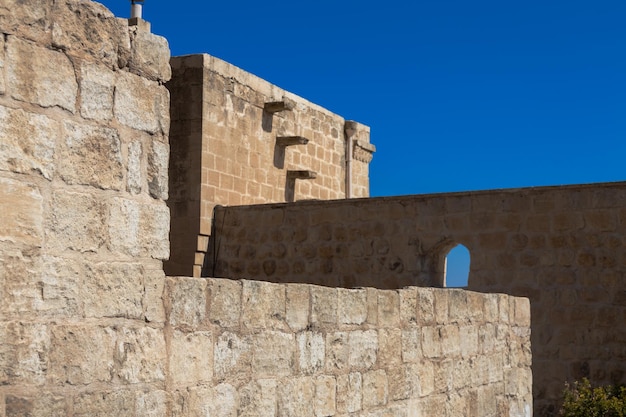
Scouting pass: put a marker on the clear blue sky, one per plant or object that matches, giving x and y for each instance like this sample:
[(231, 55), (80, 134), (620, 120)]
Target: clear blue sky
[(459, 95)]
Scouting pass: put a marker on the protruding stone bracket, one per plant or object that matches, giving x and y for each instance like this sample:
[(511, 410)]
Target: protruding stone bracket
[(301, 174), (363, 151), (284, 141), (277, 106)]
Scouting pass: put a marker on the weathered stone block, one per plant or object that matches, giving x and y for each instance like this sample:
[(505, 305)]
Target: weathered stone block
[(113, 289), (29, 18), (352, 306), (2, 82), (425, 306), (154, 226), (388, 308), (323, 305), (408, 306), (468, 339), (134, 180), (154, 283), (325, 396), (89, 28), (411, 345), (158, 160), (232, 356), (296, 398), (258, 398), (404, 382), (363, 349), (77, 222), (298, 305), (311, 352), (140, 355), (225, 304), (349, 392), (187, 300), (389, 347), (82, 355), (58, 287), (120, 403), (97, 85), (40, 76), (124, 226), (431, 342), (273, 354), (22, 208), (135, 103), (91, 155), (150, 56), (24, 353), (28, 142), (151, 404), (191, 358), (40, 405), (375, 388), (337, 351), (263, 305)]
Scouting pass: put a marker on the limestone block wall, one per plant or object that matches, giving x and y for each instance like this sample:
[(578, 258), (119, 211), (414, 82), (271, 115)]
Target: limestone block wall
[(84, 119), (231, 146), (562, 247), (251, 348)]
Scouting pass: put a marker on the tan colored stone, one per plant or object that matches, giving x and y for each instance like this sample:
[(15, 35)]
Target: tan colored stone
[(151, 404), (375, 389), (273, 354), (298, 306), (134, 182), (311, 352), (22, 208), (232, 356), (352, 305), (39, 405), (258, 398), (411, 345), (388, 309), (140, 355), (337, 351), (263, 305), (403, 382), (323, 305), (24, 353), (187, 298), (158, 160), (408, 306), (76, 222), (225, 306), (29, 18), (120, 403), (389, 347), (91, 155), (89, 28), (191, 358), (2, 82), (113, 289), (154, 226), (97, 85), (40, 76), (363, 349), (349, 392), (150, 56), (325, 396), (296, 397), (135, 102), (154, 284), (82, 354), (28, 142)]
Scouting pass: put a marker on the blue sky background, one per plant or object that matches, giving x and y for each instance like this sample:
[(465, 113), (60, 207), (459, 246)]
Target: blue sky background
[(459, 95)]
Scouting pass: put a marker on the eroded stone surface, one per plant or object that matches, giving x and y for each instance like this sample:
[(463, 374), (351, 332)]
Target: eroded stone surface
[(22, 205), (97, 84), (135, 103), (40, 76), (113, 289)]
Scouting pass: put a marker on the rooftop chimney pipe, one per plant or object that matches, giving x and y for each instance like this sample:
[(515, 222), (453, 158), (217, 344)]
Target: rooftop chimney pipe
[(136, 7)]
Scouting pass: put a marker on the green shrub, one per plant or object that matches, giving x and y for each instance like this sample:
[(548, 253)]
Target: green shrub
[(582, 400)]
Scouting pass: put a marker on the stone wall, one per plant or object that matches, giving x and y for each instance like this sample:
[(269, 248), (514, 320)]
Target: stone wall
[(250, 348), (84, 119), (563, 247), (236, 139)]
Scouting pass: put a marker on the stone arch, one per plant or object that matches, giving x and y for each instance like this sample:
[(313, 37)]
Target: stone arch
[(455, 266)]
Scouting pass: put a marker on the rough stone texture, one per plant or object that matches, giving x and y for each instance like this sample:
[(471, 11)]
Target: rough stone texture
[(22, 208), (91, 156), (40, 76), (135, 102), (562, 247), (28, 142), (97, 85), (225, 152)]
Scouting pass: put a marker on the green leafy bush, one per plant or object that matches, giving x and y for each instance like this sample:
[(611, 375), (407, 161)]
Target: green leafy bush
[(582, 400)]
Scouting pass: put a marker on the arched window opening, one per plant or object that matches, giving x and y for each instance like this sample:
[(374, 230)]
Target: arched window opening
[(457, 268)]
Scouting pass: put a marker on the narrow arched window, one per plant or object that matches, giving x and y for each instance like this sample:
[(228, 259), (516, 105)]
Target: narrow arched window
[(457, 267)]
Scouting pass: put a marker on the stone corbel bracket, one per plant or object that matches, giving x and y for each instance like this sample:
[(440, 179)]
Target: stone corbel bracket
[(278, 106), (301, 175), (363, 151), (284, 141)]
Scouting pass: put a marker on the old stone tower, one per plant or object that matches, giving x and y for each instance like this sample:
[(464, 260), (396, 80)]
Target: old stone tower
[(116, 160)]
